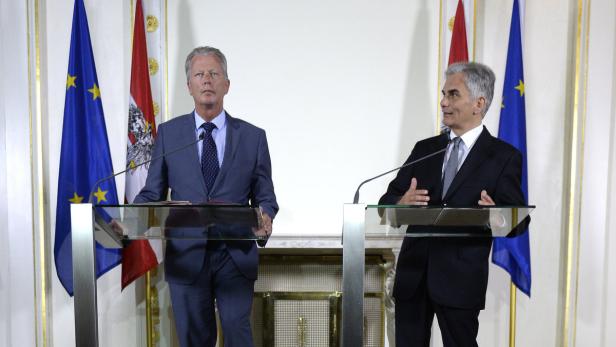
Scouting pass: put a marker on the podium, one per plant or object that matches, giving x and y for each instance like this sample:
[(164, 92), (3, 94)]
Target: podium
[(113, 226), (361, 221)]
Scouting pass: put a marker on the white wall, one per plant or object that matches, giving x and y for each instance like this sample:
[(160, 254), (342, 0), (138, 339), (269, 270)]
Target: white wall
[(4, 253), (343, 89), (608, 316), (17, 294), (596, 286)]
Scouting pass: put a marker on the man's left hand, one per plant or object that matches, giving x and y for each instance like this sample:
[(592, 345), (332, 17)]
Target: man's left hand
[(266, 228), (485, 200)]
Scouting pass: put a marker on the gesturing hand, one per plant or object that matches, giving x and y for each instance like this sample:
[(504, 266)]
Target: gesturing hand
[(414, 196), (486, 200)]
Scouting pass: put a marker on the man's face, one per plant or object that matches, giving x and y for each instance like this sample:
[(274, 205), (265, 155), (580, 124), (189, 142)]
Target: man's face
[(461, 112), (207, 83)]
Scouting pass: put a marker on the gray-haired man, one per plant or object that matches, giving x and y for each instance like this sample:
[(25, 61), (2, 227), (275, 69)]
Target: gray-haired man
[(230, 165), (447, 276)]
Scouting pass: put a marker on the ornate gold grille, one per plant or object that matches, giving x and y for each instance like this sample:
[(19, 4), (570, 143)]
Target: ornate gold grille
[(298, 301)]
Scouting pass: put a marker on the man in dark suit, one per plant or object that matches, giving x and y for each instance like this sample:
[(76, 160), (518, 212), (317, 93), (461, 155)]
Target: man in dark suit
[(231, 165), (448, 276)]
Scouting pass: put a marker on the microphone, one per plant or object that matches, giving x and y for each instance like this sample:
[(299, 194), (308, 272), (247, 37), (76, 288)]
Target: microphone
[(201, 137), (356, 198)]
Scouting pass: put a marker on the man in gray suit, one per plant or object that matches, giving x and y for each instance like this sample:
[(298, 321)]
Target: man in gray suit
[(230, 165)]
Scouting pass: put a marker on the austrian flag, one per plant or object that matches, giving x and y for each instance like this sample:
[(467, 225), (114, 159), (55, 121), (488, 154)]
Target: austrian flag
[(138, 257)]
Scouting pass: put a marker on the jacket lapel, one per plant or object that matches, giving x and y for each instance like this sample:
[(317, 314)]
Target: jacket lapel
[(475, 158), (436, 165), (231, 145), (188, 131)]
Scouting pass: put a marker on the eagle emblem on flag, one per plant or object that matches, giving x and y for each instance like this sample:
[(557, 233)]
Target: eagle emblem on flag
[(140, 137)]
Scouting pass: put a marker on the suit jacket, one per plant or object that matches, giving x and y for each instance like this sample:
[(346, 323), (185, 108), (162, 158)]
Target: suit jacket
[(455, 269), (245, 177)]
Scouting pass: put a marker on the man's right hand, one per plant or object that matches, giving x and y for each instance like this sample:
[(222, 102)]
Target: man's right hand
[(414, 196)]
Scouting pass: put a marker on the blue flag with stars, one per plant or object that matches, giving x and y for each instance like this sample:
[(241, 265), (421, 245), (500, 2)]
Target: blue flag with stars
[(513, 254), (84, 156)]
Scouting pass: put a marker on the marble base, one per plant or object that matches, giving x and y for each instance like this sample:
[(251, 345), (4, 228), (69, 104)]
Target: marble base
[(329, 242)]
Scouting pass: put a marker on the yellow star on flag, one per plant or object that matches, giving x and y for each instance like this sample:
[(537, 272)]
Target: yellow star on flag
[(100, 195), (520, 87), (70, 81), (76, 199), (96, 93)]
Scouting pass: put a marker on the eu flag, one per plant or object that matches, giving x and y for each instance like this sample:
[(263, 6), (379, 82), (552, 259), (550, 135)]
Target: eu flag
[(84, 156), (513, 254)]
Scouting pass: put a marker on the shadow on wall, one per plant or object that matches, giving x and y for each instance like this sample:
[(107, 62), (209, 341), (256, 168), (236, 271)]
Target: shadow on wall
[(418, 117), (185, 44)]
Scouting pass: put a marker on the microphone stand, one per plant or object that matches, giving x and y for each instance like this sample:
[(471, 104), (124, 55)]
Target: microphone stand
[(356, 198), (138, 165)]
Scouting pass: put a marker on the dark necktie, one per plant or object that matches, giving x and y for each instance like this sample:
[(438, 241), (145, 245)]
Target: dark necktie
[(452, 165), (209, 157)]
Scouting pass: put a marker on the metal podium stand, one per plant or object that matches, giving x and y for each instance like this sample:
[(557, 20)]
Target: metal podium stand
[(361, 220), (111, 226)]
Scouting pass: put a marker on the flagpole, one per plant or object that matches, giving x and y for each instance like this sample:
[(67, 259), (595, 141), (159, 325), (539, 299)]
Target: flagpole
[(512, 293), (148, 310), (512, 304)]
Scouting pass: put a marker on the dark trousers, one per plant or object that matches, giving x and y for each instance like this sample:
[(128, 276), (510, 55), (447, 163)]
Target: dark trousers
[(414, 318), (193, 304)]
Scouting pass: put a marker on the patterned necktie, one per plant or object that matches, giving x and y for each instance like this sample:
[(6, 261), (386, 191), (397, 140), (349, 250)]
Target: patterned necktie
[(452, 165), (209, 157)]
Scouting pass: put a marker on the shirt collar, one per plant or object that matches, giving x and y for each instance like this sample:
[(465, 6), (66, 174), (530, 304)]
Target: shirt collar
[(469, 137), (219, 120)]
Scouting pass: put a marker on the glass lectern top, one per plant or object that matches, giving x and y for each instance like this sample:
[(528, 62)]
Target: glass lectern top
[(179, 221), (490, 221)]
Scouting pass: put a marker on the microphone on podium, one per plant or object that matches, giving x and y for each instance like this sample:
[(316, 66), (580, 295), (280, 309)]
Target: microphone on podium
[(131, 167), (356, 198)]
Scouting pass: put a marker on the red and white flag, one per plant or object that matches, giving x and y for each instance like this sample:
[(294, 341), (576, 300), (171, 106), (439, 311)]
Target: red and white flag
[(456, 36), (139, 256), (458, 51), (456, 33)]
